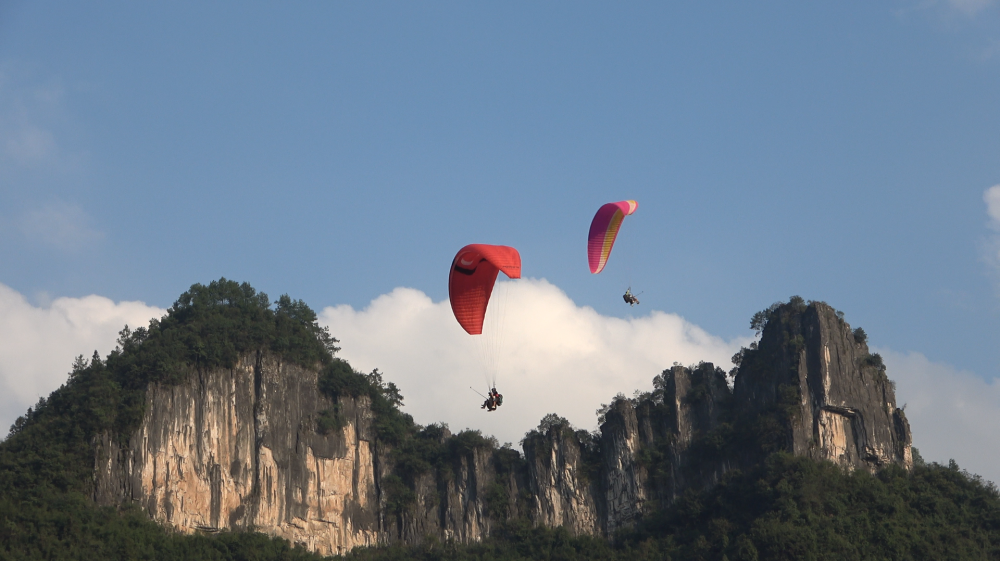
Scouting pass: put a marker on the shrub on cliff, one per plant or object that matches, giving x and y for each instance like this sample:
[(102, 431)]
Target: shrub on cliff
[(392, 426)]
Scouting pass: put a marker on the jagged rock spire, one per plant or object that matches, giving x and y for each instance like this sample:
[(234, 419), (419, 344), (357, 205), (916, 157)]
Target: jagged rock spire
[(840, 404)]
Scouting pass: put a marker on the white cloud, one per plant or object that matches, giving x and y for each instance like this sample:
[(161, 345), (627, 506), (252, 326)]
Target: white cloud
[(38, 344), (953, 414), (557, 357), (568, 359), (61, 225)]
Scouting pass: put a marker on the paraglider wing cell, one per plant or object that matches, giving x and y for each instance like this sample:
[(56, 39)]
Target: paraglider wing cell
[(603, 231), (473, 274)]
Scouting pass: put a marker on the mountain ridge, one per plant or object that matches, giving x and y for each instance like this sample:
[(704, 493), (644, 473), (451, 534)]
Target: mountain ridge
[(242, 434), (195, 464)]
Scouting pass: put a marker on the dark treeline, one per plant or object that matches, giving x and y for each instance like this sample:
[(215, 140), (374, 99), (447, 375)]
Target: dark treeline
[(787, 508)]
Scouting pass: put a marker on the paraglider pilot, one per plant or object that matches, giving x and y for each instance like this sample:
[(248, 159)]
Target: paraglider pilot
[(630, 298), (494, 400)]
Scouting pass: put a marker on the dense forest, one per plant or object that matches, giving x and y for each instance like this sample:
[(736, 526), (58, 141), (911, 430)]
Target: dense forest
[(785, 508)]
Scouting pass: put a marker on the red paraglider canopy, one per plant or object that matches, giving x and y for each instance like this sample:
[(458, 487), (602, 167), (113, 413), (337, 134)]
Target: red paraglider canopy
[(470, 283)]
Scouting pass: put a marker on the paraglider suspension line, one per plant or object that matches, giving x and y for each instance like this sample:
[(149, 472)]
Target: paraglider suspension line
[(492, 338)]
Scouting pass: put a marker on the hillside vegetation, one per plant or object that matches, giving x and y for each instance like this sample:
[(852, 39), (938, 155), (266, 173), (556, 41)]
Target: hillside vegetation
[(786, 508)]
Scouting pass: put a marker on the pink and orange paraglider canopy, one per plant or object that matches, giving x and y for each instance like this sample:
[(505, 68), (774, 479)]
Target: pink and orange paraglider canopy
[(603, 231), (473, 274)]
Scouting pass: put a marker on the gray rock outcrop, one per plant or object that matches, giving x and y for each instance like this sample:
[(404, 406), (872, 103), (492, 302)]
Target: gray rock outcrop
[(844, 407)]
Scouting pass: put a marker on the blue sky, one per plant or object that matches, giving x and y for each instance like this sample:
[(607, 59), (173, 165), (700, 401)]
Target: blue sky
[(335, 152)]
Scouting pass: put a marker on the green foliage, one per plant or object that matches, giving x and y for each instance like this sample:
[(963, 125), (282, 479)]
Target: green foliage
[(738, 358), (757, 435), (467, 441), (338, 379), (759, 320), (507, 460), (399, 497), (797, 343), (860, 337), (497, 501), (330, 420), (550, 422), (703, 376), (875, 360), (392, 426), (212, 326), (425, 450), (605, 408), (591, 459), (796, 508)]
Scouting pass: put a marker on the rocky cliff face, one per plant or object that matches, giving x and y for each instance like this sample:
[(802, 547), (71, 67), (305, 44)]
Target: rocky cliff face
[(239, 448), (563, 488), (845, 409), (450, 505)]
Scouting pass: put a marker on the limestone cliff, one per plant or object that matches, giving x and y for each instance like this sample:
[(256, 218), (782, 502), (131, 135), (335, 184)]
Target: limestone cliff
[(845, 409), (563, 487), (240, 447)]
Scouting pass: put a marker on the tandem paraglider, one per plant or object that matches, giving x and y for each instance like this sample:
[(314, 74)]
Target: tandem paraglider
[(471, 284), (630, 298), (603, 231)]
